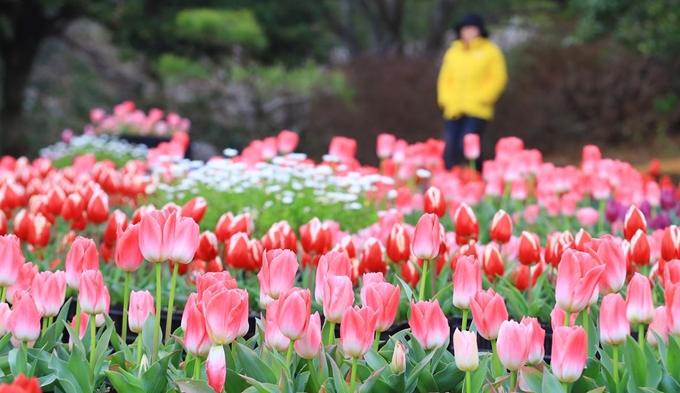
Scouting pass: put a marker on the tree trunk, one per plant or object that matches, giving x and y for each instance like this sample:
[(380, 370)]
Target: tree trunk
[(440, 23)]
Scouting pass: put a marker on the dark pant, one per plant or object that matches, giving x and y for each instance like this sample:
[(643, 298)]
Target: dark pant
[(454, 132)]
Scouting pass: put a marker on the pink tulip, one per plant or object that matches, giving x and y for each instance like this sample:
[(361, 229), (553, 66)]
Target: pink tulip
[(92, 295), (426, 237), (471, 149), (614, 325), (24, 320), (569, 352), (157, 231), (611, 255), (398, 364), (196, 337), (333, 263), (309, 346), (658, 326), (225, 314), (214, 282), (287, 141), (23, 283), (587, 216), (82, 256), (216, 368), (672, 297), (273, 337), (383, 298), (357, 331), (385, 145), (536, 341), (578, 275), (128, 256), (141, 305), (49, 290), (295, 305), (279, 268), (488, 312), (428, 324), (467, 281), (185, 240), (514, 344), (639, 302), (557, 316), (465, 350), (11, 260), (371, 278), (338, 296), (100, 319)]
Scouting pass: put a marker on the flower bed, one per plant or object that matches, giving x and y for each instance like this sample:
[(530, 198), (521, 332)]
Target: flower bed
[(260, 261)]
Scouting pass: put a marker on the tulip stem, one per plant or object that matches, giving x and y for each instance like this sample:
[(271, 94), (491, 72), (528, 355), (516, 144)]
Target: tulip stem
[(50, 321), (3, 297), (353, 375), (93, 343), (615, 359), (567, 318), (126, 303), (139, 350), (44, 324), (312, 372), (331, 334), (197, 368), (465, 318), (586, 321), (641, 335), (422, 281), (565, 386), (496, 368), (468, 382), (513, 381), (78, 318), (157, 328), (376, 342), (289, 354), (171, 302), (529, 289)]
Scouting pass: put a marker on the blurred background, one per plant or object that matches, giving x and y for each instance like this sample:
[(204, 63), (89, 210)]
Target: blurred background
[(581, 71)]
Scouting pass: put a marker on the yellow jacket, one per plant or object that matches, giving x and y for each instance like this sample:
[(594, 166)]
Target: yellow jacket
[(471, 79)]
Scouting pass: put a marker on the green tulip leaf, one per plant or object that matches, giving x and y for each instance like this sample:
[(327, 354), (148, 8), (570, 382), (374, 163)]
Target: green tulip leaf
[(369, 383), (65, 377), (654, 372), (124, 382), (155, 379), (193, 386), (551, 383), (449, 377), (374, 360), (262, 387), (407, 290), (253, 366), (338, 379), (673, 356), (668, 384), (415, 373), (479, 376), (534, 379), (635, 362)]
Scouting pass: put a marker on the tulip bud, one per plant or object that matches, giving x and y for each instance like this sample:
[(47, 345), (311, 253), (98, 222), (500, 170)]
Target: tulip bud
[(337, 297), (467, 281), (426, 237), (309, 346), (92, 295), (488, 312), (398, 244), (569, 353), (471, 149), (295, 305), (536, 341), (24, 320), (141, 305), (98, 208), (465, 350), (434, 202), (633, 222), (659, 326), (118, 219), (639, 302), (23, 283), (467, 226), (640, 250), (492, 262), (373, 257), (514, 344), (315, 237), (333, 263), (195, 208), (49, 290), (128, 255), (614, 325), (428, 324), (577, 278), (216, 368), (273, 337), (398, 364), (196, 338), (279, 268), (501, 227), (11, 260), (383, 298), (529, 251), (581, 239), (357, 331), (670, 243)]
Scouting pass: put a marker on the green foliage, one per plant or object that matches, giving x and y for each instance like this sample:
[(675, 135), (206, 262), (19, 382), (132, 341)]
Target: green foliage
[(220, 27), (175, 67)]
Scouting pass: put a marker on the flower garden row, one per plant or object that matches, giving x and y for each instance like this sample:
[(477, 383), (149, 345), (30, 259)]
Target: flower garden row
[(264, 254)]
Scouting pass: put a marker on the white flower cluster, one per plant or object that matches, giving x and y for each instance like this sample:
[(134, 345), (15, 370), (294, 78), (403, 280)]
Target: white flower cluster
[(94, 144)]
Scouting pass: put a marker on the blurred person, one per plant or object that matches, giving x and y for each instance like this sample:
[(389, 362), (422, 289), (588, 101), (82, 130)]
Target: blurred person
[(471, 79)]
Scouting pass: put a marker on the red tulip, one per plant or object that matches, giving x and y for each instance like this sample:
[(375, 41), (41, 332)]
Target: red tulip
[(529, 251), (128, 255), (49, 290), (536, 341), (157, 231), (98, 208), (640, 250), (488, 312), (315, 237), (633, 222), (672, 297), (357, 331), (338, 295), (92, 295), (226, 315), (520, 275), (410, 274), (514, 344), (3, 224), (118, 219), (295, 305), (501, 227), (24, 320), (569, 353), (39, 231), (577, 278), (659, 326), (471, 148), (467, 281), (82, 256), (273, 337), (398, 244), (195, 208), (467, 226), (614, 325), (373, 257), (434, 202), (24, 280), (581, 240), (237, 251), (465, 350), (348, 247), (670, 243), (141, 212), (309, 346), (428, 324), (426, 237), (141, 305), (11, 260), (492, 262), (216, 368), (74, 208), (21, 384), (639, 302), (196, 337), (22, 225), (611, 255), (383, 298), (332, 263)]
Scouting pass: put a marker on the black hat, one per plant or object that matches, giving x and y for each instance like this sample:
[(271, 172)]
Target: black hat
[(472, 20)]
